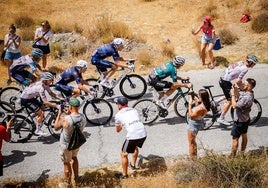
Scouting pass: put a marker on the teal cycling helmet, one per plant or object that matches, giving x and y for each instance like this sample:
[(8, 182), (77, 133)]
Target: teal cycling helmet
[(37, 53), (252, 58)]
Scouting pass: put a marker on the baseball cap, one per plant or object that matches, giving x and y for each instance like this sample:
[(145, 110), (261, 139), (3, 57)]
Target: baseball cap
[(121, 100), (74, 102)]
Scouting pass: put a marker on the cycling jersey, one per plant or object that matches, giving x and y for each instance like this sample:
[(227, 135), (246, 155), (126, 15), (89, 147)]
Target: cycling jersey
[(34, 90), (69, 75), (164, 71), (234, 71), (103, 52), (23, 63)]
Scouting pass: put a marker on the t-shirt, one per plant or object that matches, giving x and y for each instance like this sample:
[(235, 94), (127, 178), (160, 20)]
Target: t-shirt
[(107, 50), (24, 62), (11, 46), (39, 33), (243, 106), (35, 89), (234, 71), (167, 69), (129, 118), (70, 75)]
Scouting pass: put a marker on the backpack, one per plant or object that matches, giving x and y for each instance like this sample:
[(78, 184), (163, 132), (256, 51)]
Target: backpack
[(77, 138)]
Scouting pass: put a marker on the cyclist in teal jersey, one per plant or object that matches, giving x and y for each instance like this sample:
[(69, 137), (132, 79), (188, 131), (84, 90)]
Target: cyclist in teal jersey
[(158, 74)]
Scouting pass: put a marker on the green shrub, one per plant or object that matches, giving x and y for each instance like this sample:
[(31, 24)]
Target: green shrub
[(77, 49), (227, 37), (260, 23)]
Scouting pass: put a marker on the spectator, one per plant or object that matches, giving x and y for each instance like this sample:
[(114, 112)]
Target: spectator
[(241, 102), (12, 43), (69, 157), (42, 36), (136, 134), (208, 39), (233, 72), (5, 134), (197, 108)]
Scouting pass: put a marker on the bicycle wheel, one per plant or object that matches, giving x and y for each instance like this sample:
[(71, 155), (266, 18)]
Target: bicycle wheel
[(133, 86), (255, 113), (50, 126), (11, 95), (6, 109), (98, 111), (180, 106), (22, 129), (147, 110), (101, 91)]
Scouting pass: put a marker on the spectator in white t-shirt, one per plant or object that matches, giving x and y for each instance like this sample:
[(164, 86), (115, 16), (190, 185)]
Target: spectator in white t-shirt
[(136, 134)]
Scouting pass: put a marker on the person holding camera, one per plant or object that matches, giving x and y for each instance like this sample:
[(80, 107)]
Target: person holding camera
[(5, 134), (197, 110), (241, 102)]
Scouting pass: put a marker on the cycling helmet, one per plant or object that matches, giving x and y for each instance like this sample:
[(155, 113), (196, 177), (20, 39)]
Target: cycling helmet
[(252, 58), (207, 19), (81, 63), (119, 42), (46, 76), (177, 60), (37, 53)]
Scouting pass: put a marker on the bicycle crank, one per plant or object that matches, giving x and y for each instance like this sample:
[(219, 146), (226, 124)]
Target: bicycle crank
[(163, 112), (109, 92)]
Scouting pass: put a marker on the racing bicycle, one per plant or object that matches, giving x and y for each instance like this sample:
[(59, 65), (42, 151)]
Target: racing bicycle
[(5, 110), (131, 85)]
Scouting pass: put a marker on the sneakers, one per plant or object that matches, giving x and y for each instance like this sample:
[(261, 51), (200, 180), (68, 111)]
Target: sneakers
[(40, 133), (121, 176), (161, 104), (133, 167), (223, 121), (106, 84)]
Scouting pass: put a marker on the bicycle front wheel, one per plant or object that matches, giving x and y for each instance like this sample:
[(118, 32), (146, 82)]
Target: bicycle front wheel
[(22, 129), (11, 95), (133, 86), (101, 91), (147, 110), (180, 106), (50, 126), (255, 113), (5, 109), (98, 111)]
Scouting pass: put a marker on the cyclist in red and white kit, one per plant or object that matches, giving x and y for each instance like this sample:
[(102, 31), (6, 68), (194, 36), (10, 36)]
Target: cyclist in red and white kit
[(233, 72)]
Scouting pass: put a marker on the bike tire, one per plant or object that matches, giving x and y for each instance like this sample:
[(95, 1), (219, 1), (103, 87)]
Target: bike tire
[(22, 129), (5, 110), (255, 113), (98, 111), (181, 106), (101, 91), (128, 86), (50, 126), (147, 110), (11, 95)]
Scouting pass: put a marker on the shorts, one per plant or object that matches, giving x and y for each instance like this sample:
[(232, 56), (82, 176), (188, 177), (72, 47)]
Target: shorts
[(22, 76), (33, 105), (129, 146), (12, 56), (226, 88), (67, 155), (195, 126), (45, 49), (159, 85), (239, 128), (65, 89), (206, 39), (101, 64)]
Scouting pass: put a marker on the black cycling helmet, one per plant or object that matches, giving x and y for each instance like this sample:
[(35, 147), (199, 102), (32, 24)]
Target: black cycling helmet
[(177, 60)]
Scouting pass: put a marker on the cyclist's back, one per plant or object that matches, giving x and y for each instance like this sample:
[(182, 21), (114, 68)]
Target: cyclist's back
[(167, 69), (234, 71), (106, 50), (69, 75)]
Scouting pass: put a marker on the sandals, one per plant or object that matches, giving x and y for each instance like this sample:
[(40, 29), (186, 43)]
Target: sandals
[(212, 66)]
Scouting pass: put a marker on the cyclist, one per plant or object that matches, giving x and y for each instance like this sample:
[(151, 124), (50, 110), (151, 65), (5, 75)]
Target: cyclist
[(26, 69), (30, 99), (73, 74), (234, 72), (158, 74), (109, 50)]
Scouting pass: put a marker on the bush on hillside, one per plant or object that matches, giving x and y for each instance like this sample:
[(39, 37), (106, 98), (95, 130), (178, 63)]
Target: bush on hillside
[(227, 37), (23, 21), (168, 49), (260, 23)]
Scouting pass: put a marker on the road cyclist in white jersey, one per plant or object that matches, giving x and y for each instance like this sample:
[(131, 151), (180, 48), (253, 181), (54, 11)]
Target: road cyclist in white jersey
[(30, 99), (136, 134), (236, 72)]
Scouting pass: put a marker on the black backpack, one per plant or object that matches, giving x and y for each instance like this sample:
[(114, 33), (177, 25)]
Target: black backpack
[(77, 138)]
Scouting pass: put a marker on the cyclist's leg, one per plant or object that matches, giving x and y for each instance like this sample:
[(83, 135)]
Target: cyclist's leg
[(66, 89), (102, 66), (20, 76)]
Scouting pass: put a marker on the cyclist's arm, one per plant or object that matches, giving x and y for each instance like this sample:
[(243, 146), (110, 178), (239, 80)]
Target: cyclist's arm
[(182, 78), (83, 88)]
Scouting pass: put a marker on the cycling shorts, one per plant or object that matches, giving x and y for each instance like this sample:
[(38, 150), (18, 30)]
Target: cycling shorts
[(129, 146), (158, 84), (101, 64), (33, 105), (22, 76), (65, 89), (226, 88)]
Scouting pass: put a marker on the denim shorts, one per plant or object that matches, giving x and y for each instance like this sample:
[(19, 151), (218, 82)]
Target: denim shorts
[(205, 39), (12, 56), (195, 126)]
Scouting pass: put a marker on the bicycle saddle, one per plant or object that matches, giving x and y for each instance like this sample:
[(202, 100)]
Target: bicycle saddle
[(207, 87)]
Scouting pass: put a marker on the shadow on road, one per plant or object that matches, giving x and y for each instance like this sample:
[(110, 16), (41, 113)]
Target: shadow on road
[(262, 122), (17, 157)]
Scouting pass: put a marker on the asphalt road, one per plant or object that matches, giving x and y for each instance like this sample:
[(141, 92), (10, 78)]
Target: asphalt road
[(166, 137)]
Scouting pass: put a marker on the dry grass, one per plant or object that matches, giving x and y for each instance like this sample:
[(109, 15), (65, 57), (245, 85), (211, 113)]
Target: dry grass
[(260, 23), (227, 37)]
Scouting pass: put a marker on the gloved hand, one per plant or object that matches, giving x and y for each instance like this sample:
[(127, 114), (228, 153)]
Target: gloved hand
[(131, 67)]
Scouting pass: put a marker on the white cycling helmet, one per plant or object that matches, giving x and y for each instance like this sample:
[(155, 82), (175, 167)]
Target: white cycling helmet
[(46, 76), (252, 58), (177, 60), (81, 63), (119, 42)]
